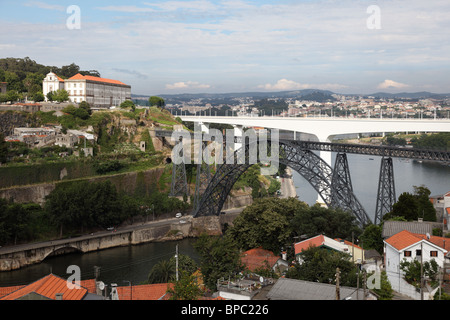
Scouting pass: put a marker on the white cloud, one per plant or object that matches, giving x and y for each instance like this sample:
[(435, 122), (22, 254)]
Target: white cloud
[(128, 9), (43, 5), (388, 84), (285, 84), (187, 85), (198, 5)]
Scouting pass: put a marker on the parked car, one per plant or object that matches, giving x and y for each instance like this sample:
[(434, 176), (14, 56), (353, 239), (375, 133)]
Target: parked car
[(178, 215)]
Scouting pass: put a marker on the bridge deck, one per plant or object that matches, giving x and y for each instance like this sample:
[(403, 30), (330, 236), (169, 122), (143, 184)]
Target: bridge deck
[(382, 151)]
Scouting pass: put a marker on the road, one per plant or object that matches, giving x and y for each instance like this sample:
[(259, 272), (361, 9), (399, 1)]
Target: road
[(287, 185)]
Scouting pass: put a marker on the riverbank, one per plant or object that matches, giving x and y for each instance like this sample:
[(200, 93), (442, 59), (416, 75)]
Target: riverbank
[(172, 229)]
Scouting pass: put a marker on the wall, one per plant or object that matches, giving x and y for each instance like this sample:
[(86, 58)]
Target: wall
[(140, 182)]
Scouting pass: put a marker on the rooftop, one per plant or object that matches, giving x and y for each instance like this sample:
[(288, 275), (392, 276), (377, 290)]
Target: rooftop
[(46, 288), (79, 76)]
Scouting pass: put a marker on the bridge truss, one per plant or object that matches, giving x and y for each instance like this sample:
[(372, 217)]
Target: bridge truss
[(315, 170), (333, 185)]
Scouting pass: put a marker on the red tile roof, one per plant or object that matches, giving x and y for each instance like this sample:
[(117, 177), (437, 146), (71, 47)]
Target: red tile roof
[(155, 291), (258, 258), (316, 241), (79, 76), (48, 287), (405, 238)]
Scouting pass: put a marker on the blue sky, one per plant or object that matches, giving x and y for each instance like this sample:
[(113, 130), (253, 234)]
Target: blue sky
[(240, 45)]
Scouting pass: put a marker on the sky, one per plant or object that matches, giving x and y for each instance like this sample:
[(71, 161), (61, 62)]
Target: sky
[(222, 46)]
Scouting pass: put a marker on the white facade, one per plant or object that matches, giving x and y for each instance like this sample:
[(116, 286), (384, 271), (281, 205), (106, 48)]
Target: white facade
[(98, 92), (423, 251), (51, 83)]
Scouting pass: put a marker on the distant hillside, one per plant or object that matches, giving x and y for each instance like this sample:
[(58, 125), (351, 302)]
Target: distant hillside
[(411, 95), (227, 97)]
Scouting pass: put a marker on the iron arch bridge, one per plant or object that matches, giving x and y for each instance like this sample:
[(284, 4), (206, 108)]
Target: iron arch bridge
[(333, 185)]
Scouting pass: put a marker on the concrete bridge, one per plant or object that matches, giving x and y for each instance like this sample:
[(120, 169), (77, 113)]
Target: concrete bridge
[(325, 128)]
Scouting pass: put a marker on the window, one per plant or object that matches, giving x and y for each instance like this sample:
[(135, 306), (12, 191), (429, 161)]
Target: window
[(418, 253), (433, 253), (407, 254)]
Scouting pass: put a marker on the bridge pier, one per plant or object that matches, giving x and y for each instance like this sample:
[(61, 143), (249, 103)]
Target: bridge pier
[(326, 156), (386, 189)]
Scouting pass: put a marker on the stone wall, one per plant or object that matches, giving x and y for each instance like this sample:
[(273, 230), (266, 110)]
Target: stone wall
[(11, 120), (131, 182)]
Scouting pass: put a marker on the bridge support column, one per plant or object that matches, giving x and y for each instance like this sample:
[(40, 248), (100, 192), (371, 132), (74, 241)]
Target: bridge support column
[(341, 183), (386, 190), (326, 156), (203, 169), (238, 133), (179, 186)]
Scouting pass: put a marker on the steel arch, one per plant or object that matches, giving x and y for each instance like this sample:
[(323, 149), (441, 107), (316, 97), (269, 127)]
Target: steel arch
[(313, 168)]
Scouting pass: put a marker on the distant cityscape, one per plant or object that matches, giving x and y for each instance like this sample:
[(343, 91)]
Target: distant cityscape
[(315, 104)]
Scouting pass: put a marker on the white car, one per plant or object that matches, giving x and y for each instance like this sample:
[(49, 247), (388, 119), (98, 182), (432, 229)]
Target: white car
[(178, 215)]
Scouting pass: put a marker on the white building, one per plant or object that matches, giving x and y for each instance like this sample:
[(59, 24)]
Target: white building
[(98, 92), (408, 246)]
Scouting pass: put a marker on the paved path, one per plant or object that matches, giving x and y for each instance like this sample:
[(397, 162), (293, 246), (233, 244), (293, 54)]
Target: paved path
[(287, 185)]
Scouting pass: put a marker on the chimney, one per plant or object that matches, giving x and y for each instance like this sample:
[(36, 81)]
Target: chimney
[(58, 296)]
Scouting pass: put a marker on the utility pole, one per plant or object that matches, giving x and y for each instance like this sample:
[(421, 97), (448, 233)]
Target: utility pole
[(176, 261), (421, 271), (338, 293)]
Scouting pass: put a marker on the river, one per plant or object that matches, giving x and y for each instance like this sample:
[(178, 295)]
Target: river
[(133, 263)]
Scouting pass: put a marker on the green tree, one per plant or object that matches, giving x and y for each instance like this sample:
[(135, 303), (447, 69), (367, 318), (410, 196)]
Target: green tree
[(385, 291), (38, 97), (319, 265), (413, 206), (219, 258), (33, 82), (412, 272), (372, 239), (86, 106), (3, 149), (128, 104), (156, 101), (266, 223), (186, 288), (162, 272), (61, 95), (334, 223)]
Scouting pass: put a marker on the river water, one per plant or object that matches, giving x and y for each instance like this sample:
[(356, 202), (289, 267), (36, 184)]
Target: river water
[(133, 263)]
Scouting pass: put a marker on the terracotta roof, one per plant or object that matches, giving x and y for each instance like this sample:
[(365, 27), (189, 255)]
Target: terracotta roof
[(48, 287), (7, 290), (155, 291), (320, 241), (404, 239), (348, 243), (258, 258), (316, 241), (79, 76)]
